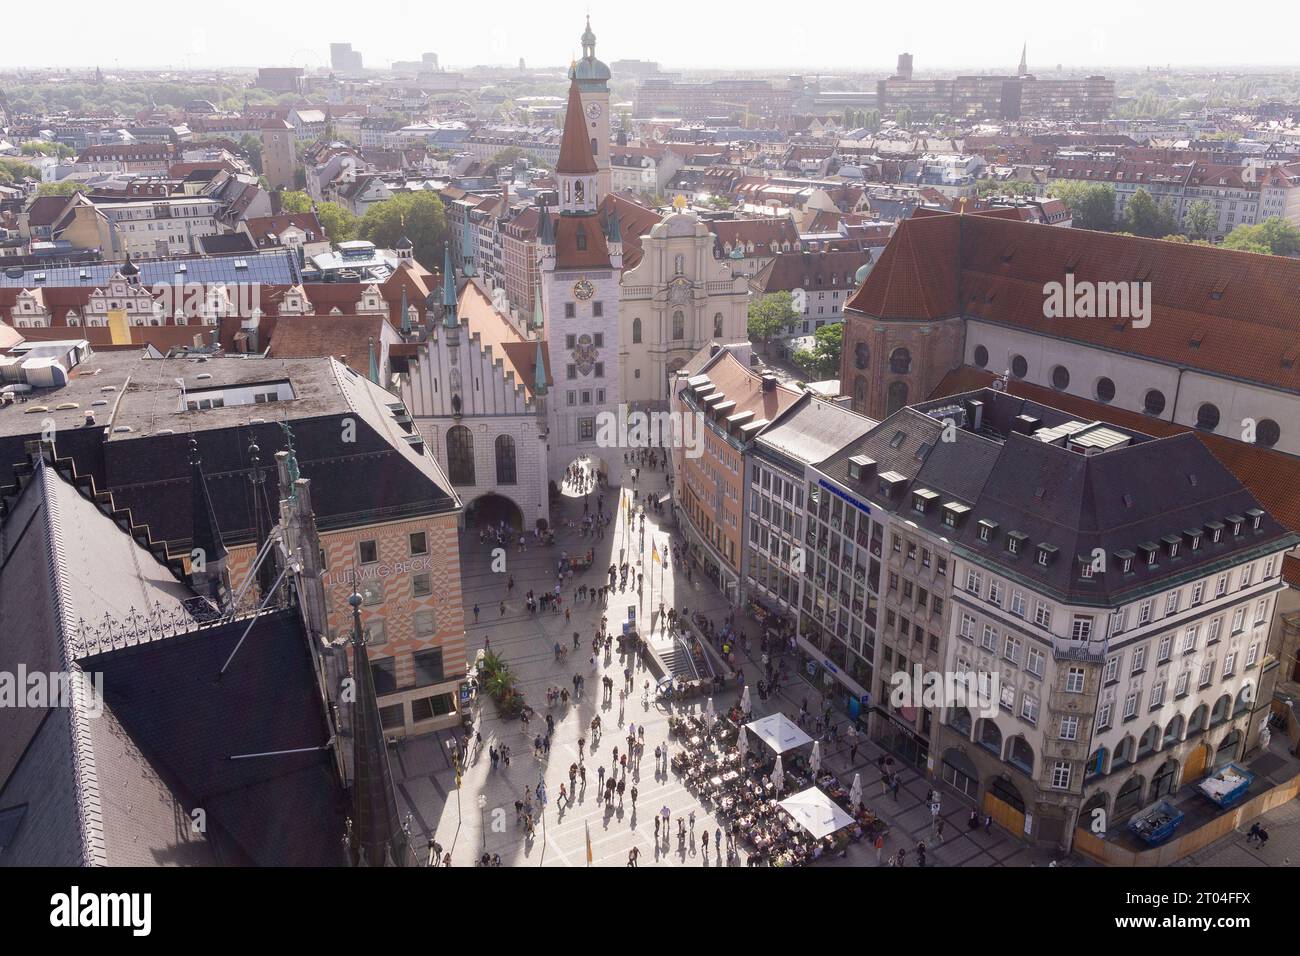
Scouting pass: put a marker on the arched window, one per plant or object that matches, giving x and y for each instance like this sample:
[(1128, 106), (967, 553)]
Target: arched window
[(860, 393), (717, 325), (959, 720), (897, 397), (679, 325), (1020, 754), (636, 330), (990, 737), (861, 355), (900, 361), (460, 455), (505, 460)]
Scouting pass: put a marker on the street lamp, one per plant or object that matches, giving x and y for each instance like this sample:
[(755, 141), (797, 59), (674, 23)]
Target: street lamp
[(482, 806)]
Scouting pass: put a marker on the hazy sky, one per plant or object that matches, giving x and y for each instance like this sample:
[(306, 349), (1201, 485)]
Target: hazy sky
[(941, 34)]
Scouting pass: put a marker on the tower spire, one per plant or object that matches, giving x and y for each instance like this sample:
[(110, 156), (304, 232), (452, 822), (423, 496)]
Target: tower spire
[(448, 290), (1023, 69), (378, 838)]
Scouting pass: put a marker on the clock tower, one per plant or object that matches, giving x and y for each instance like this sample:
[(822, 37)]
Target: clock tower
[(579, 272), (592, 77)]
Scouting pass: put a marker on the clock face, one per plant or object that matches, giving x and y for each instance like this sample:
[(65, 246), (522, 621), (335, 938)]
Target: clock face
[(594, 110), (583, 289)]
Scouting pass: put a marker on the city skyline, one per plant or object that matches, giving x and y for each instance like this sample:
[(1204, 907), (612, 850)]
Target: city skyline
[(705, 36)]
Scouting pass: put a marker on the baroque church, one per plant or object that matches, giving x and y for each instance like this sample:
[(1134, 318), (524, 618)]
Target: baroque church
[(506, 410)]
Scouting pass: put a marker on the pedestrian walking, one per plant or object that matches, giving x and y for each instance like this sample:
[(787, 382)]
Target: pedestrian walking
[(475, 613), (938, 829), (880, 847), (503, 608), (632, 855), (920, 854)]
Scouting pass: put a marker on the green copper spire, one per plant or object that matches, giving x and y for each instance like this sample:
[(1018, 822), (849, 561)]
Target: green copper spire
[(537, 308), (449, 290), (406, 319), (374, 362), (539, 376)]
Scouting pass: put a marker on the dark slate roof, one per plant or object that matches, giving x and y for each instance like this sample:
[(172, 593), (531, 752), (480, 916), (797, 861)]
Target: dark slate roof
[(285, 810), (379, 475), (1115, 500)]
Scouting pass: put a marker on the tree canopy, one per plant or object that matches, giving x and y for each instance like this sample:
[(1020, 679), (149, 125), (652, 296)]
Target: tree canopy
[(418, 215), (769, 315), (1274, 236), (1092, 205)]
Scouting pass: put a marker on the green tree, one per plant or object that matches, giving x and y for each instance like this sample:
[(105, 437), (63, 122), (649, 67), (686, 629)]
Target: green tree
[(1274, 236), (823, 358), (769, 316), (252, 146), (294, 201), (64, 187), (508, 156), (339, 224), (1199, 219), (871, 120), (903, 118), (1092, 205), (1143, 216), (420, 216), (14, 169)]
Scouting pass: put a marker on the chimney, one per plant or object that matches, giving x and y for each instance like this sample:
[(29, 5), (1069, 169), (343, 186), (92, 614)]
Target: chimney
[(714, 349), (769, 383), (505, 199)]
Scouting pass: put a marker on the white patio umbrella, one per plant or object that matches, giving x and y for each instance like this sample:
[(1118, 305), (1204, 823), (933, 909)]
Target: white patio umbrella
[(855, 792), (816, 760), (742, 742), (778, 775), (744, 701)]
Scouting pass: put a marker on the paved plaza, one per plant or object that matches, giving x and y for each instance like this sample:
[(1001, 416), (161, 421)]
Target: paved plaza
[(425, 774)]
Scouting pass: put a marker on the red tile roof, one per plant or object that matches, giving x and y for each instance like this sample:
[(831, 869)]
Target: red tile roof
[(569, 253), (575, 145), (1206, 301)]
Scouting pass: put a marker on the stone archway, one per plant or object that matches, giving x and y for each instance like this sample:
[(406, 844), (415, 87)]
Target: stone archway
[(491, 509)]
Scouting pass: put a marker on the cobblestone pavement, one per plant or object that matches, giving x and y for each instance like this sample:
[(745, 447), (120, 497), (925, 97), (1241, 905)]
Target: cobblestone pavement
[(425, 775)]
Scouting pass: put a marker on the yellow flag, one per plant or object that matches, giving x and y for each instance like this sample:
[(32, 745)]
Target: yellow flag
[(587, 826), (654, 553)]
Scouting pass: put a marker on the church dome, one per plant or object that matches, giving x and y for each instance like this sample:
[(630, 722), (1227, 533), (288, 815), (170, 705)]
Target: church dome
[(589, 70), (864, 270)]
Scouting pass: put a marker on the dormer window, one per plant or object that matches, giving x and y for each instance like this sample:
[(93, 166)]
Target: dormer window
[(1085, 566), (1015, 541), (1125, 559), (953, 513), (1235, 521), (921, 499), (1215, 528), (1172, 543), (1193, 536), (1045, 554), (1255, 515), (987, 528), (1150, 551)]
